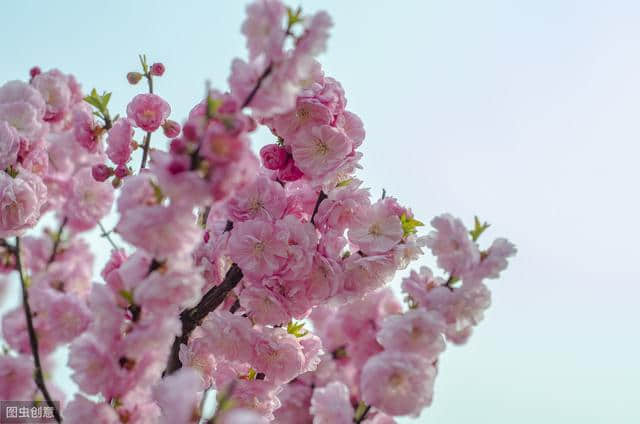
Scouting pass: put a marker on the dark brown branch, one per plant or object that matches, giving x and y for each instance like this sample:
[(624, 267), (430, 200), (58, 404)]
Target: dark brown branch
[(321, 197), (191, 318), (253, 92), (145, 150), (57, 239), (33, 338)]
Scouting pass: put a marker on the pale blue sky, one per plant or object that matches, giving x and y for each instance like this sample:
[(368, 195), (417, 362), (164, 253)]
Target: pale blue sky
[(523, 112)]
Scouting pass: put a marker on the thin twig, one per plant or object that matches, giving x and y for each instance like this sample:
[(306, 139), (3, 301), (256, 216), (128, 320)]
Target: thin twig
[(33, 338), (191, 318), (106, 235), (253, 92), (321, 197), (56, 240), (145, 150)]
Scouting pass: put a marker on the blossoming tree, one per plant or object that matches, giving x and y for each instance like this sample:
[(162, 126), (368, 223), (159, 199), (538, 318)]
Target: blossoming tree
[(262, 277)]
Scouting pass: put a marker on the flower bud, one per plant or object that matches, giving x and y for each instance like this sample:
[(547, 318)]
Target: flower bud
[(134, 77), (35, 71), (121, 171), (101, 172), (157, 69), (171, 128), (290, 172), (179, 165), (274, 157), (178, 146)]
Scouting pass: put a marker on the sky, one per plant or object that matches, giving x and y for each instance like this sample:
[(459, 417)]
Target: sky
[(524, 113)]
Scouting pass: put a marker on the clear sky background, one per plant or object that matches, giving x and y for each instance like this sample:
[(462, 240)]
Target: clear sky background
[(522, 112)]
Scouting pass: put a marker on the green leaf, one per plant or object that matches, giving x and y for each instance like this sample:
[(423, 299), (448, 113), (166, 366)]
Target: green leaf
[(344, 183), (13, 172), (294, 16), (297, 329), (157, 192), (127, 295), (478, 228), (409, 225), (212, 106), (252, 374), (105, 99), (360, 411), (94, 101)]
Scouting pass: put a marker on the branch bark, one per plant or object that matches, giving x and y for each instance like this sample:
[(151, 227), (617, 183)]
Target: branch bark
[(33, 338), (192, 318)]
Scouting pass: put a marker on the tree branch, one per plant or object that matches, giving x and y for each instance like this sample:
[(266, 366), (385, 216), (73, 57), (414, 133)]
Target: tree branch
[(106, 235), (145, 150), (253, 92), (56, 241), (192, 318), (33, 338), (321, 197)]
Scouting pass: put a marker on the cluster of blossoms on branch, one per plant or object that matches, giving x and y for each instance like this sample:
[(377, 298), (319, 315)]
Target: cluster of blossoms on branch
[(230, 254)]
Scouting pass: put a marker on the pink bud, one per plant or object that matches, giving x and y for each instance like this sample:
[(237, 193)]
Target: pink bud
[(157, 69), (121, 171), (179, 165), (101, 172), (290, 172), (206, 236), (134, 77), (35, 71), (171, 128), (274, 157), (191, 131), (178, 146)]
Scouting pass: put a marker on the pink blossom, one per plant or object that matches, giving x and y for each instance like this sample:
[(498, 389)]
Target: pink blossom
[(460, 309), (56, 92), (18, 92), (242, 416), (451, 244), (20, 202), (419, 284), (85, 129), (82, 410), (16, 377), (92, 365), (263, 306), (278, 355), (264, 199), (342, 205), (68, 318), (160, 230), (320, 150), (325, 280), (257, 395), (308, 113), (178, 396), (186, 187), (24, 118), (397, 383), (273, 157), (376, 230), (314, 40), (9, 145), (148, 111), (296, 400), (302, 245), (263, 28), (89, 200), (258, 247), (494, 260), (119, 141), (137, 191), (177, 285), (331, 404), (228, 336), (415, 331), (157, 69), (221, 148), (352, 126), (197, 356)]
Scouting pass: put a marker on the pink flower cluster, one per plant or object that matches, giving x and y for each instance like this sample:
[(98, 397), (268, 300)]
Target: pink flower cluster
[(227, 255)]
